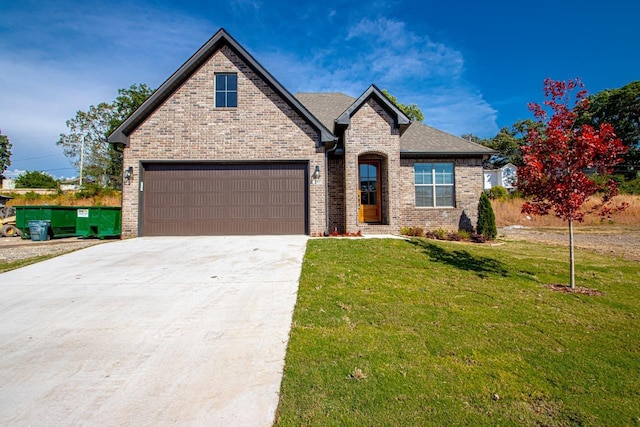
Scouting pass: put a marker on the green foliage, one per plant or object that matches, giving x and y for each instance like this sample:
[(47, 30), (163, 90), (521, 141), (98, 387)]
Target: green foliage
[(5, 153), (410, 110), (625, 185), (464, 234), (497, 193), (94, 190), (32, 196), (412, 231), (508, 142), (620, 108), (87, 139), (36, 179), (126, 103), (88, 133), (630, 186), (486, 218), (440, 233)]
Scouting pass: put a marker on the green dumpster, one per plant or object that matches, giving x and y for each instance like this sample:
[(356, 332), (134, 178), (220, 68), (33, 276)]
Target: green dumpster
[(62, 219), (99, 221), (39, 230)]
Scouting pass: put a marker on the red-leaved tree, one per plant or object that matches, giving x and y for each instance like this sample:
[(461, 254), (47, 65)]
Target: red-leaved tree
[(559, 156)]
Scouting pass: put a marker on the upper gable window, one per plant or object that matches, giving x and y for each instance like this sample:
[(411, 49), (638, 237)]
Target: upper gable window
[(226, 90)]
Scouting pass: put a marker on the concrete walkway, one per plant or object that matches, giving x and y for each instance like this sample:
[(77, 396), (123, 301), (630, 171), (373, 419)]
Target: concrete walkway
[(149, 331)]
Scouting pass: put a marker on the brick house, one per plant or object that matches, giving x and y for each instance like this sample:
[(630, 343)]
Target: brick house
[(223, 148)]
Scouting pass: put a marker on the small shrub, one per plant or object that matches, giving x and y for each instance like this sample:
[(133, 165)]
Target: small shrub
[(464, 234), (486, 218), (94, 190), (32, 195), (454, 237), (516, 194), (412, 231), (439, 234), (497, 193), (631, 186), (478, 238)]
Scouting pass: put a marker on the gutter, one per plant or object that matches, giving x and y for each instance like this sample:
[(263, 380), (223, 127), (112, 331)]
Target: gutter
[(326, 187)]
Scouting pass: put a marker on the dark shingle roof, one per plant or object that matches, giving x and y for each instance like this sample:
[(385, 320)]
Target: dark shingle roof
[(418, 138), (401, 120), (422, 139), (327, 107)]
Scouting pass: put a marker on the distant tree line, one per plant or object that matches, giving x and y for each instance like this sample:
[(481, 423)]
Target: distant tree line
[(87, 136), (618, 107)]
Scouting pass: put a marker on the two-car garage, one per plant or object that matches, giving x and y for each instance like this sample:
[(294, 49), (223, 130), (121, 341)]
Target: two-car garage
[(191, 199)]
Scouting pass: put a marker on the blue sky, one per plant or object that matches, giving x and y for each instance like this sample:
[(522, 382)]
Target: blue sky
[(471, 66)]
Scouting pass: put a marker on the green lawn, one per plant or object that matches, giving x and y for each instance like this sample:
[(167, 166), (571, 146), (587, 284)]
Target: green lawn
[(392, 332), (12, 265)]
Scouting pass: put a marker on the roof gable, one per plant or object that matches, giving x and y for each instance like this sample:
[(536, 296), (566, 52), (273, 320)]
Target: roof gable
[(220, 39), (401, 120)]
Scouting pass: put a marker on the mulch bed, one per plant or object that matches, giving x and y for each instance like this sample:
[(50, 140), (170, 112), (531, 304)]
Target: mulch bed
[(559, 287)]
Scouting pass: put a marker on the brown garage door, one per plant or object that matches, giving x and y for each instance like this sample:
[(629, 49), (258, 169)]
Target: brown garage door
[(224, 199)]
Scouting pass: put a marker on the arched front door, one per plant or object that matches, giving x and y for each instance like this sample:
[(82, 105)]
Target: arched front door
[(369, 191)]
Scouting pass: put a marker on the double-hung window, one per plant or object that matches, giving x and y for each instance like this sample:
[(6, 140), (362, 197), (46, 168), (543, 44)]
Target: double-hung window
[(226, 90), (434, 184)]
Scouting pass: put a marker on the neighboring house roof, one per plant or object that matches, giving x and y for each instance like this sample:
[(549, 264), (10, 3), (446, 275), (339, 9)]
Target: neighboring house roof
[(494, 168), (221, 38)]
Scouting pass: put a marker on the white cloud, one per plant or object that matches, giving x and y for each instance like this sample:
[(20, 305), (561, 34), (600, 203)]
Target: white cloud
[(414, 68), (64, 59)]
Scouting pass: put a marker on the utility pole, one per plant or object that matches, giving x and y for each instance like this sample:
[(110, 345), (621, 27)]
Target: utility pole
[(81, 158)]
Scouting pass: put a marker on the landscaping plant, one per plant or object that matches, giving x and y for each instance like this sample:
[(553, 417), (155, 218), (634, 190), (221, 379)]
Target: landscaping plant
[(486, 218), (558, 155)]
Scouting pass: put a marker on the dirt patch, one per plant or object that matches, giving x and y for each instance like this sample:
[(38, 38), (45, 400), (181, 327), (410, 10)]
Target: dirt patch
[(622, 242), (558, 287), (14, 248)]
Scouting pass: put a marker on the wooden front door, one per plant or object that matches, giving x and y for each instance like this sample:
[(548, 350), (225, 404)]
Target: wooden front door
[(369, 179)]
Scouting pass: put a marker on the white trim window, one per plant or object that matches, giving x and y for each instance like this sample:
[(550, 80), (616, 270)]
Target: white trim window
[(434, 184)]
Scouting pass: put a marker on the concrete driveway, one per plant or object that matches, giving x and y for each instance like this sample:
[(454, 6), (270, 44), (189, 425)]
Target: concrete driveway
[(149, 331)]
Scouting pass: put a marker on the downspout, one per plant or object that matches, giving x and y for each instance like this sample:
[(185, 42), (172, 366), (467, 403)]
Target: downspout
[(326, 188)]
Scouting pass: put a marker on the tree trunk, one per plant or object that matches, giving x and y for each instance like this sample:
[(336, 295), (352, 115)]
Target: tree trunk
[(572, 268)]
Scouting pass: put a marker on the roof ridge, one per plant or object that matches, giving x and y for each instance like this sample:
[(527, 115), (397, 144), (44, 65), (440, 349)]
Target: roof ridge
[(448, 133), (221, 38)]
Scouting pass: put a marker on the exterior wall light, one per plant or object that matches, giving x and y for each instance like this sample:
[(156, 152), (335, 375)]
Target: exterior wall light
[(316, 172), (128, 174)]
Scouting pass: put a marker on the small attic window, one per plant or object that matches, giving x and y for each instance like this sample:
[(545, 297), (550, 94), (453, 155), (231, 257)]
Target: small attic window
[(226, 90)]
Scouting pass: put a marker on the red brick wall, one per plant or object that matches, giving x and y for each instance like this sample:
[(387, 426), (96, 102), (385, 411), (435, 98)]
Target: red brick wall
[(468, 186), (188, 127), (372, 134)]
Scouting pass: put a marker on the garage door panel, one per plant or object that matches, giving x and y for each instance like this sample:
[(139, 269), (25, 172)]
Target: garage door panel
[(219, 199)]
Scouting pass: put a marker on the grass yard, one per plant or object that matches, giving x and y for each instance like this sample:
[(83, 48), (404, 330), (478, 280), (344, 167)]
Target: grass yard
[(13, 265), (391, 332)]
